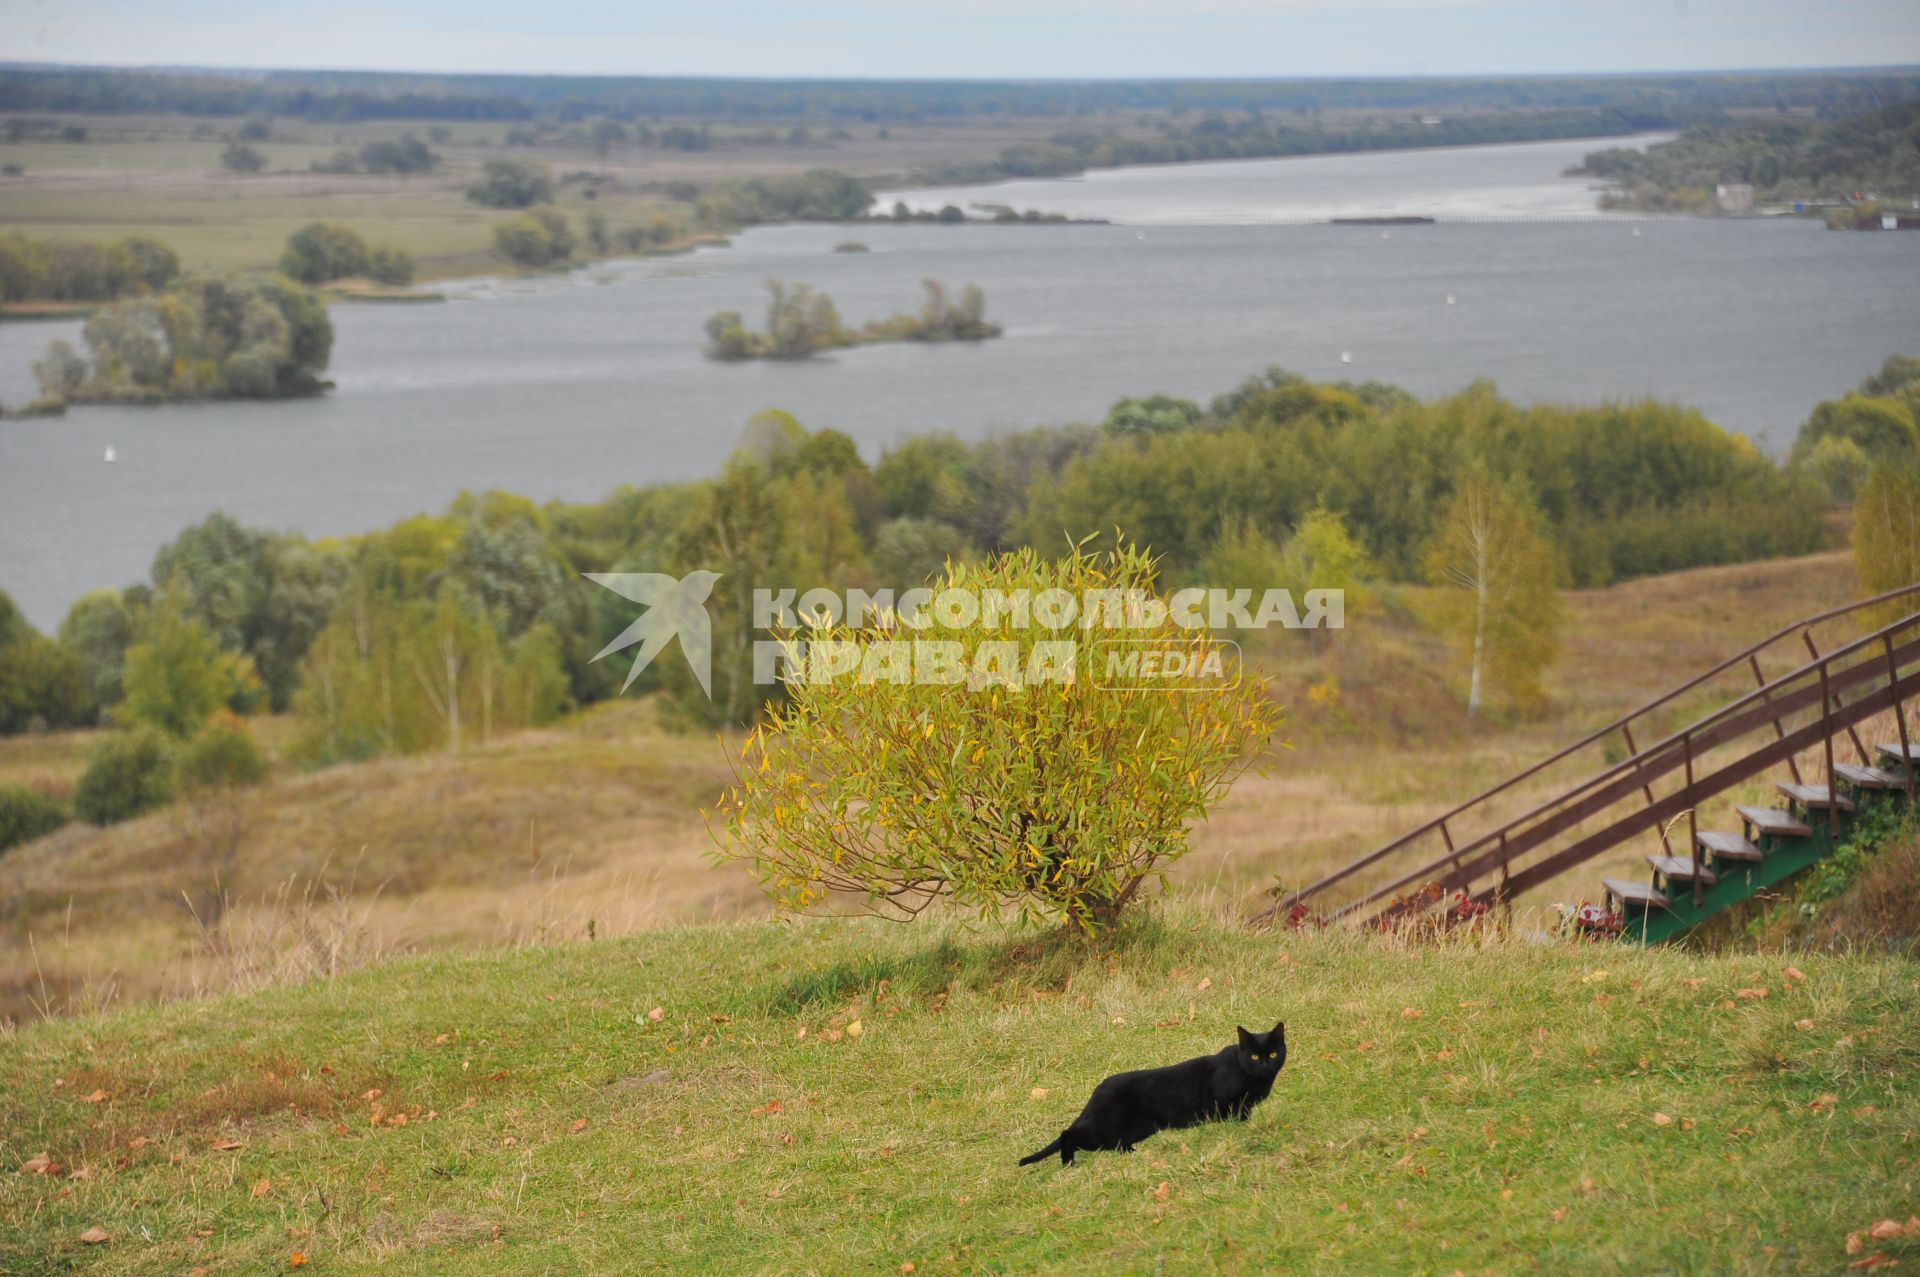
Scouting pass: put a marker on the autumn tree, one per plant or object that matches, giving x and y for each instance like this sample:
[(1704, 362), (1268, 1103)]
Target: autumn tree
[(1499, 570), (1886, 531)]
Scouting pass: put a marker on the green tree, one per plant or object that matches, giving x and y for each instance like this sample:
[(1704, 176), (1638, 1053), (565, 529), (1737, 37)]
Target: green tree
[(128, 773), (538, 238), (324, 251), (42, 684), (1883, 428), (512, 184), (98, 629), (1498, 566), (238, 157), (27, 814), (389, 265), (177, 677)]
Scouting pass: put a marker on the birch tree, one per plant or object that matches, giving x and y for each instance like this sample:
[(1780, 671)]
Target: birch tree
[(1500, 572)]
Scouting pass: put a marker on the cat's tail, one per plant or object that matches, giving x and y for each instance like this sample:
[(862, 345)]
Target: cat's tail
[(1044, 1153)]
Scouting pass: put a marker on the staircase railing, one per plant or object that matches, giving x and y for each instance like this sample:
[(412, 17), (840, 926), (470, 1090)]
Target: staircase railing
[(1806, 707)]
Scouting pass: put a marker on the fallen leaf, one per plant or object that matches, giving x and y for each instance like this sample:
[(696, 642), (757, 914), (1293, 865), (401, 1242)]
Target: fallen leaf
[(1559, 1214), (84, 1173), (298, 1259), (579, 1125), (94, 1098), (1661, 1119), (94, 1236), (1887, 1230), (509, 1142), (853, 1030), (1366, 1044), (1039, 1092), (801, 1034), (1876, 1260), (1206, 982), (1803, 1025), (906, 1266), (374, 1094), (1793, 973), (1594, 977), (1161, 1192), (1686, 1123), (261, 1187), (39, 1164), (138, 1142), (1749, 995), (1693, 982), (765, 1110), (1824, 1102), (1586, 1185), (1411, 1013), (226, 1145), (1854, 1244), (656, 1015)]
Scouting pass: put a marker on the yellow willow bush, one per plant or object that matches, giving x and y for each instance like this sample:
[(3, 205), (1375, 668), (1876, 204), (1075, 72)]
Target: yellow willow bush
[(1057, 797)]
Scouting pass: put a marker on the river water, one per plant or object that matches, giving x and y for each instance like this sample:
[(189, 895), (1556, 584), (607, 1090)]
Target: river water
[(569, 386)]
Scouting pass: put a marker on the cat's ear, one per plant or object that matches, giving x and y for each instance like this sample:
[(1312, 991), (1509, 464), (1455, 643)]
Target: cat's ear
[(1245, 1037), (1279, 1029)]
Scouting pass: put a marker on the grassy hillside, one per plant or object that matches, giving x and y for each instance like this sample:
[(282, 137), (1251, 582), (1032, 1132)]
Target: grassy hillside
[(849, 1097), (596, 822)]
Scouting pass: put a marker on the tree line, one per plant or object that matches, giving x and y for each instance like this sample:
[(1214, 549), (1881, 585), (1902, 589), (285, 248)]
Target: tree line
[(443, 629), (351, 95), (1875, 151)]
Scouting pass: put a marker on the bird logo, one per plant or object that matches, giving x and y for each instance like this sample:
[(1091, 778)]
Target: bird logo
[(674, 608)]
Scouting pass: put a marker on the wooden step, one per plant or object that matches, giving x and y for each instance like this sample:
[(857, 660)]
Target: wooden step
[(1680, 869), (1903, 754), (1634, 893), (1814, 796), (1771, 820), (1867, 777), (1726, 846)]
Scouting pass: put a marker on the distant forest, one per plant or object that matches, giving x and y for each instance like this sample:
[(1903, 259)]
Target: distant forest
[(1647, 101), (1877, 152)]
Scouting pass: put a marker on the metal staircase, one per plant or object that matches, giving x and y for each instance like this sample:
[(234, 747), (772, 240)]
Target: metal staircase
[(1493, 848)]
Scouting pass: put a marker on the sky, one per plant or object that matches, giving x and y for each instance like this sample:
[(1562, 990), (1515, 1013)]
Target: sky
[(970, 38)]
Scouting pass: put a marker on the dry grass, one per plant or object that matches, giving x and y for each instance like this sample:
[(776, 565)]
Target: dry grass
[(594, 827)]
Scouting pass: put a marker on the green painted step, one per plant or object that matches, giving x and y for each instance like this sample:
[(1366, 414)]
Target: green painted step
[(1775, 846)]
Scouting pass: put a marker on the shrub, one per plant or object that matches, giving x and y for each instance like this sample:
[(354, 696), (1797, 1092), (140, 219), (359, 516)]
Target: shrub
[(27, 814), (222, 755), (129, 772), (1058, 798), (241, 158), (390, 265), (538, 237), (323, 251)]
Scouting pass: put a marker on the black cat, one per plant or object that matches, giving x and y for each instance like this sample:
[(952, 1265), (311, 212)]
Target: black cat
[(1128, 1107)]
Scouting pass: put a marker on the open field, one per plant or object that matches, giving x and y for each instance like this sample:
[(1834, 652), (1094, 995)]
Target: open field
[(161, 176), (851, 1098), (596, 822)]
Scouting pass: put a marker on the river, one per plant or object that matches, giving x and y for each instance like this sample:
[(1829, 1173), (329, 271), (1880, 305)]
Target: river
[(569, 386)]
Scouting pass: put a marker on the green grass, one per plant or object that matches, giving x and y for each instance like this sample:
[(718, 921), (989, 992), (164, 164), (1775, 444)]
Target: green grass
[(1470, 1107)]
